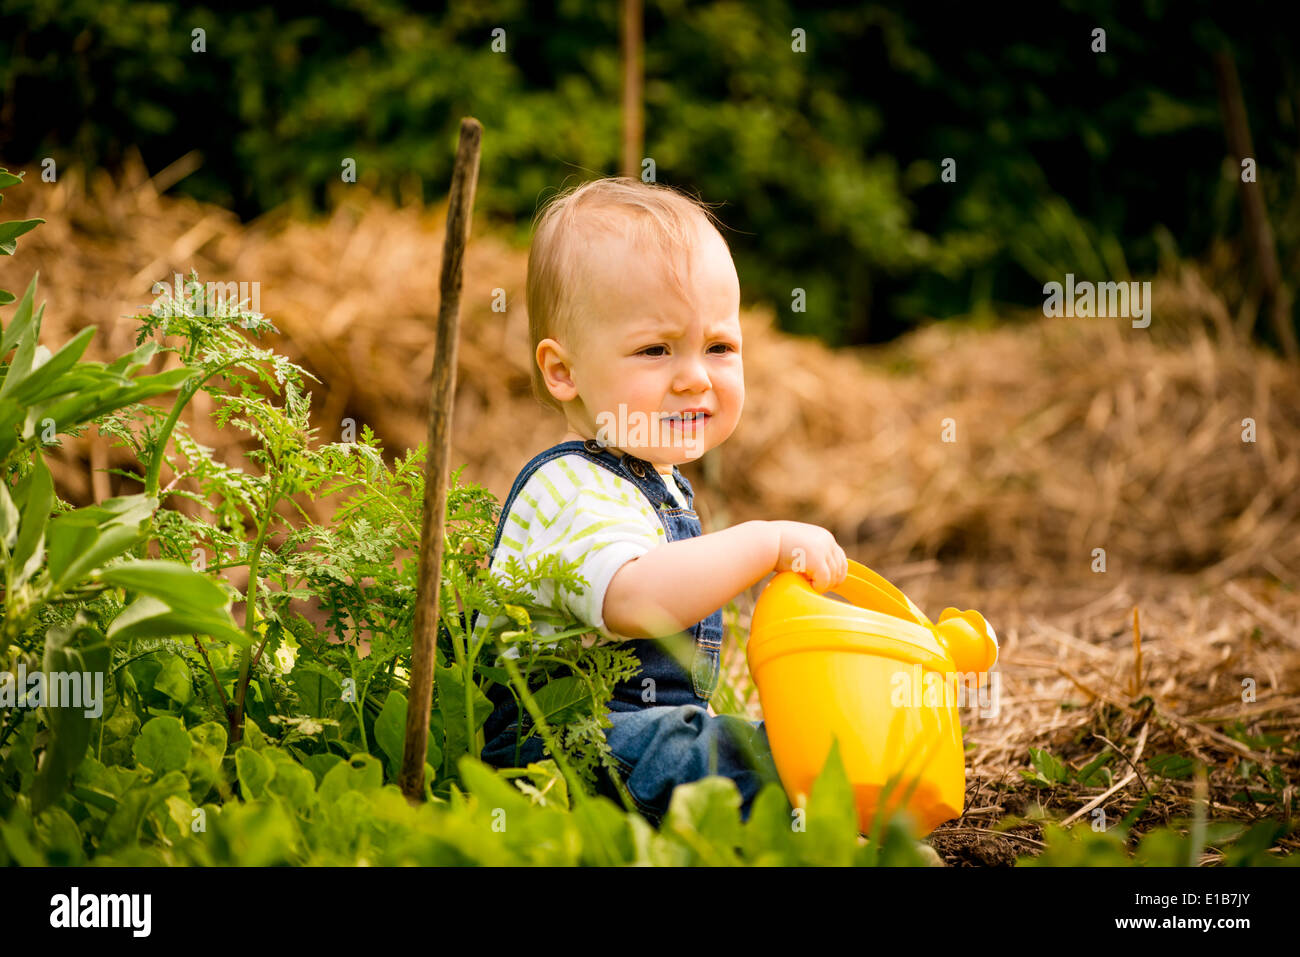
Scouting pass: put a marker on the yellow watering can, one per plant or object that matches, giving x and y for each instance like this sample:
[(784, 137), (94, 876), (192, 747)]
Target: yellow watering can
[(878, 676)]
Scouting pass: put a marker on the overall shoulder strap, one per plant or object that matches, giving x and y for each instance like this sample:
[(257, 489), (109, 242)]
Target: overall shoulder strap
[(533, 464)]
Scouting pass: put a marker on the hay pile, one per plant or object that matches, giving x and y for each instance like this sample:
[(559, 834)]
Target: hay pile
[(1070, 436)]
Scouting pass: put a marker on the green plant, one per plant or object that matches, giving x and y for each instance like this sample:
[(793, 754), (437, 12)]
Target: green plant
[(82, 590), (185, 801), (64, 567)]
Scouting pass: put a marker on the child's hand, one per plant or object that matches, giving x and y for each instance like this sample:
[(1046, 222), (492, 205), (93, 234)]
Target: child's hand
[(812, 551)]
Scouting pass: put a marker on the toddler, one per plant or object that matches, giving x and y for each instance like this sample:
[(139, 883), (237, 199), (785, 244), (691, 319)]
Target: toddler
[(633, 306)]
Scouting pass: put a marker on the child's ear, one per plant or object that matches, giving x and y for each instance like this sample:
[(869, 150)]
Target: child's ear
[(557, 370)]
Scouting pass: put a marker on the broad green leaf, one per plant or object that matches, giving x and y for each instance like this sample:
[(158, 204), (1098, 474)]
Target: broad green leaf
[(769, 834), (124, 828), (147, 617), (832, 815), (173, 680), (24, 356), (204, 765), (12, 230), (1162, 848), (361, 772), (107, 395), (1049, 766), (82, 540), (1172, 765), (390, 733), (451, 702), (1080, 846), (706, 815), (6, 297), (8, 179), (74, 656), (1251, 849), (20, 326), (318, 687), (35, 499), (78, 549), (899, 846), (549, 782), (179, 586), (44, 380), (163, 745), (321, 764), (94, 797), (491, 789), (9, 518), (19, 841), (563, 700), (292, 782), (499, 675), (1094, 769), (255, 772), (607, 839), (62, 839), (137, 358)]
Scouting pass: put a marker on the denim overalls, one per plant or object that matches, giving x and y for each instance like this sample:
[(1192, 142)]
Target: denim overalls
[(662, 734)]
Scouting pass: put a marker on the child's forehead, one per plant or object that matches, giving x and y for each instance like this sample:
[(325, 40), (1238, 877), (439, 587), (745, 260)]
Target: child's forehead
[(617, 256), (636, 231)]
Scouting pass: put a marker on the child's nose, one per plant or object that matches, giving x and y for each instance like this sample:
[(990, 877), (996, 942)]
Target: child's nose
[(691, 375)]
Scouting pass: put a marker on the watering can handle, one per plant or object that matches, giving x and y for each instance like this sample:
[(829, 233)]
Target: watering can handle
[(868, 590), (967, 637)]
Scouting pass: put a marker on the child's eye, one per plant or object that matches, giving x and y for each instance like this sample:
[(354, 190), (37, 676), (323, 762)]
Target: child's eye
[(722, 345), (646, 350)]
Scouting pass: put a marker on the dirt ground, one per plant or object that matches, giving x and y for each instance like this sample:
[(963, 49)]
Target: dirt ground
[(1068, 666)]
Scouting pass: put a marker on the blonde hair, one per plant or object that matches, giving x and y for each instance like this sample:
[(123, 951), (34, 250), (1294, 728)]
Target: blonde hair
[(648, 215)]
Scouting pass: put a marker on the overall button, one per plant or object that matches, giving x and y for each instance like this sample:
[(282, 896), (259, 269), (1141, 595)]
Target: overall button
[(591, 445), (637, 468)]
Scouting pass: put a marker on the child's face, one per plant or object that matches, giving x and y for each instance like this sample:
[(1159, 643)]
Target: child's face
[(647, 355)]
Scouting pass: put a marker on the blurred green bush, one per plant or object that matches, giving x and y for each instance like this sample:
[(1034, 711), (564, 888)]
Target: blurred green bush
[(828, 161)]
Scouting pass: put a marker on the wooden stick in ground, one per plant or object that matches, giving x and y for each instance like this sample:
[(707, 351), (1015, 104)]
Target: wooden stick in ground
[(1254, 216), (460, 209), (633, 70)]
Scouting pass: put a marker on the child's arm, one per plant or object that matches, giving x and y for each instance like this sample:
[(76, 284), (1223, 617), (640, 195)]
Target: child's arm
[(671, 587)]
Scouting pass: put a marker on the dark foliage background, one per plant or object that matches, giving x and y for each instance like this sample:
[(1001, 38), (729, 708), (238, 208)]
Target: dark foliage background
[(827, 161)]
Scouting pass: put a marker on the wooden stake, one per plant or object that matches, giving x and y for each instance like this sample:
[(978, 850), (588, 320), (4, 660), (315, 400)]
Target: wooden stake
[(1253, 214), (633, 124), (460, 209)]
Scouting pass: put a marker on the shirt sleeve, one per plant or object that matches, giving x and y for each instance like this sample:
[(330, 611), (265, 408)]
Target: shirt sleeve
[(586, 517)]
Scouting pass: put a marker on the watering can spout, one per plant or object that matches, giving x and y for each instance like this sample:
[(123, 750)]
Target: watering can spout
[(968, 638)]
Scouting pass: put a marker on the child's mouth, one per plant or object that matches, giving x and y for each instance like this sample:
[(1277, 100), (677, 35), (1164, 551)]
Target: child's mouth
[(687, 420)]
